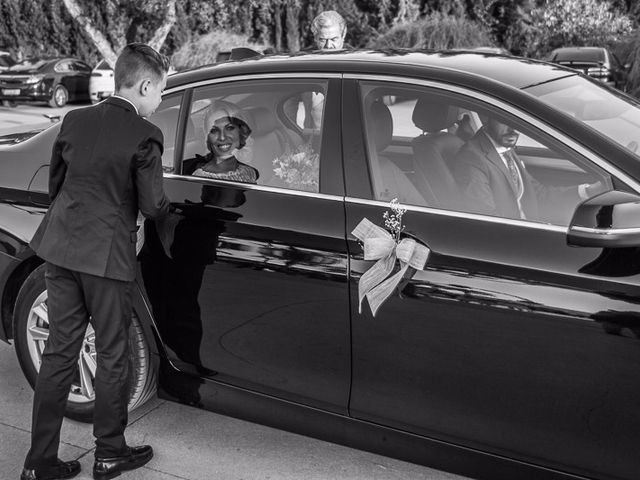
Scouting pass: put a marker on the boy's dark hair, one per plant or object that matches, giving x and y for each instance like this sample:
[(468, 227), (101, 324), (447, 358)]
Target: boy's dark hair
[(136, 61)]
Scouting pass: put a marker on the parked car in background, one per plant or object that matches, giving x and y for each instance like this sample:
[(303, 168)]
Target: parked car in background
[(597, 62), (6, 60), (513, 353), (101, 84), (52, 80)]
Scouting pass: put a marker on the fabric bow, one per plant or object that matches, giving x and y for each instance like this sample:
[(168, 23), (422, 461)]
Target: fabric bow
[(380, 245)]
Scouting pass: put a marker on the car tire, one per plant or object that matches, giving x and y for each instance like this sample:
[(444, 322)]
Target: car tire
[(59, 96), (30, 334)]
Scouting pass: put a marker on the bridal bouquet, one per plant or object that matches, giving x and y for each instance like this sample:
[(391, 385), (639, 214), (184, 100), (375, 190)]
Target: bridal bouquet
[(299, 168)]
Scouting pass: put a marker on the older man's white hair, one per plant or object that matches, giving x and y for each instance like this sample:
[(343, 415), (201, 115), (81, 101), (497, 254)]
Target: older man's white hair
[(327, 18)]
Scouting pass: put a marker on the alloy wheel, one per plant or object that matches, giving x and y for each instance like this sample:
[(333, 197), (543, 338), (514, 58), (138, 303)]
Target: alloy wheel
[(82, 389)]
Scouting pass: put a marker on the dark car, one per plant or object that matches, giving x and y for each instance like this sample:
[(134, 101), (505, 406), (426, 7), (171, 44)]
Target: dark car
[(512, 353), (52, 80), (597, 62)]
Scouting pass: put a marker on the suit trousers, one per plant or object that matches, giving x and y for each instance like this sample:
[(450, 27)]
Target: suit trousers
[(74, 300)]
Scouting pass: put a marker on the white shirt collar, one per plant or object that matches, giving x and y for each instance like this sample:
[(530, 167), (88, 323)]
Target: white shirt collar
[(128, 101)]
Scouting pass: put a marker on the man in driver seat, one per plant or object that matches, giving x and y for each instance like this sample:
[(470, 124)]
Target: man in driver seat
[(496, 182)]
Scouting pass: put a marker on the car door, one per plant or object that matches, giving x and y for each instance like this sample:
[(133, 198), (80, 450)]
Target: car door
[(66, 75), (255, 294), (82, 75), (508, 341)]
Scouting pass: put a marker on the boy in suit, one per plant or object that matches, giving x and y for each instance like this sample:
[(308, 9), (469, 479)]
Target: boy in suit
[(105, 166)]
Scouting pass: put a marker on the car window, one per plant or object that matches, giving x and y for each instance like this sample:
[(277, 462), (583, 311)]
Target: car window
[(81, 67), (617, 117), (63, 66), (103, 65), (579, 55), (280, 131), (166, 119), (427, 147), (6, 61)]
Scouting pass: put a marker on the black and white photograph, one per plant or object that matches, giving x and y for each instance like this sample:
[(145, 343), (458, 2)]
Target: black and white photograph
[(320, 240)]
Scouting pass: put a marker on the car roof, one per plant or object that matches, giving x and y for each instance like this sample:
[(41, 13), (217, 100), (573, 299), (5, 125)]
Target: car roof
[(512, 71)]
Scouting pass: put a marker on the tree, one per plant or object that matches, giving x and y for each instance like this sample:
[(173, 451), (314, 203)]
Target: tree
[(130, 19), (578, 22), (437, 31)]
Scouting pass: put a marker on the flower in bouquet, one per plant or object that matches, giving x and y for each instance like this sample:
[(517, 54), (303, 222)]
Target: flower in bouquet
[(299, 168), (393, 220)]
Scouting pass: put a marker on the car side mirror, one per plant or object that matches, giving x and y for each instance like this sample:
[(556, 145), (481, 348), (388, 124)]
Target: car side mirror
[(608, 220)]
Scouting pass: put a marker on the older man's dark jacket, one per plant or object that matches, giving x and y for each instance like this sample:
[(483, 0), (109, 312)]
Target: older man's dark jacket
[(106, 164)]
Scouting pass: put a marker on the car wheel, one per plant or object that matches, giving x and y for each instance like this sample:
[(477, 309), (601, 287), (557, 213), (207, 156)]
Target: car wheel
[(31, 330), (59, 97)]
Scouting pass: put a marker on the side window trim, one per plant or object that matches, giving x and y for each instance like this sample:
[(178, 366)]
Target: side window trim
[(181, 128), (515, 222)]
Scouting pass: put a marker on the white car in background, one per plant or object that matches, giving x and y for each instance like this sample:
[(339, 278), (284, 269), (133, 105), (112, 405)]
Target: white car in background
[(102, 83)]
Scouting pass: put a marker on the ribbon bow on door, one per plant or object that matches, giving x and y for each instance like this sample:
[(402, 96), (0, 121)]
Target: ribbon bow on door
[(379, 245)]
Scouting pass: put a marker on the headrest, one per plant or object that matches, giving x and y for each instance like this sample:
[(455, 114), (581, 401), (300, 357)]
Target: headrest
[(381, 125), (432, 117), (262, 121)]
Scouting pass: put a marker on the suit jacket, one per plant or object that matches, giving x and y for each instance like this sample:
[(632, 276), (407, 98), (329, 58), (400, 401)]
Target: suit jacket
[(105, 166), (488, 188)]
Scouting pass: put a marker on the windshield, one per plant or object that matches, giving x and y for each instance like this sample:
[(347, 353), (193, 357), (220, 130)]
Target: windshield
[(27, 65), (616, 116)]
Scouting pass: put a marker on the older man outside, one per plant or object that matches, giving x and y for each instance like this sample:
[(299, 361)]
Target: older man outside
[(329, 30)]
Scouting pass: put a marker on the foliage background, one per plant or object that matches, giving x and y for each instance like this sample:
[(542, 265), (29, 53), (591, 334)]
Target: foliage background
[(530, 28)]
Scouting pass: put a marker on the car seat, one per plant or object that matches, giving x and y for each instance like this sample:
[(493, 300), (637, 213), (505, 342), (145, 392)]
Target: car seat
[(389, 181), (434, 151), (270, 139)]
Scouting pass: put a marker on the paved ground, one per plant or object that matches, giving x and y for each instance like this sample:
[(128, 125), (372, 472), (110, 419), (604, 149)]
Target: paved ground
[(193, 444)]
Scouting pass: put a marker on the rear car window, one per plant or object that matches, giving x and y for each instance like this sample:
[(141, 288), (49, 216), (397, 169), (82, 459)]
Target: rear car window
[(580, 55)]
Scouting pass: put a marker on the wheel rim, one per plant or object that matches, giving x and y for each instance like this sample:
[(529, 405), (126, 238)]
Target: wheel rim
[(82, 389), (60, 96)]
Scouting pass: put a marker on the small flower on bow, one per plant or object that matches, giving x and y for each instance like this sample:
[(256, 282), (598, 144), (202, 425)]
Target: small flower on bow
[(377, 283)]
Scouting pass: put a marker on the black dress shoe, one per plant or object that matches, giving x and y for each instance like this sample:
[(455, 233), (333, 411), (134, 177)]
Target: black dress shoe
[(110, 467), (59, 471)]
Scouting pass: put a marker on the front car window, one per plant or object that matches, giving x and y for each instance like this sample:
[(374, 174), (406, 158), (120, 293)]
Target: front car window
[(616, 116), (6, 61), (429, 147), (272, 129)]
